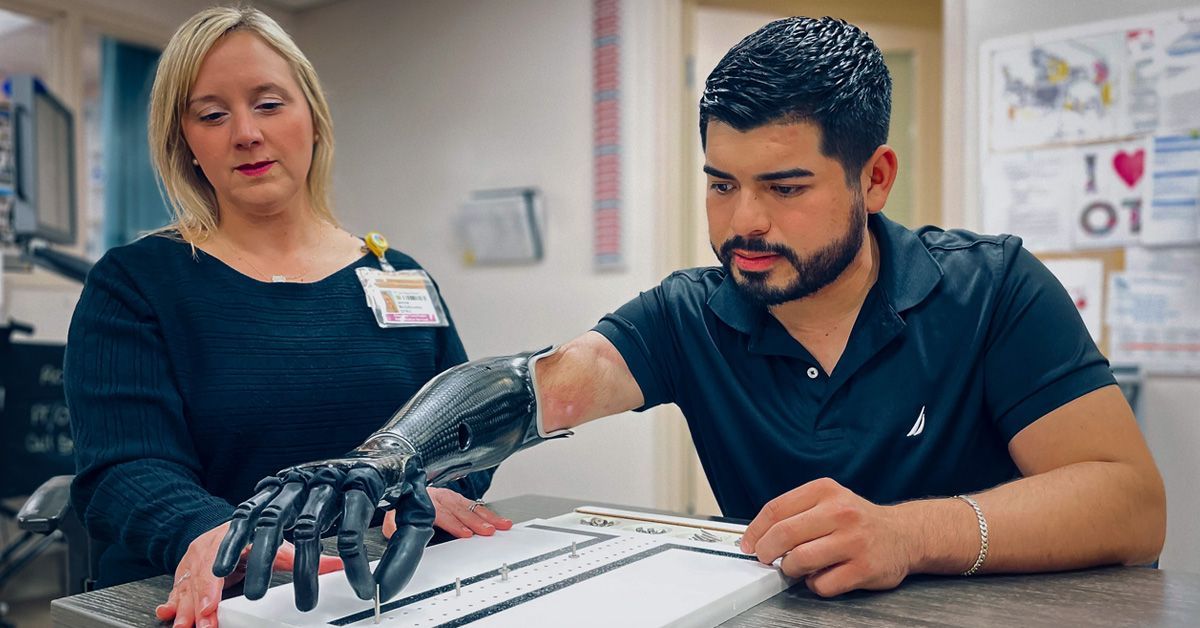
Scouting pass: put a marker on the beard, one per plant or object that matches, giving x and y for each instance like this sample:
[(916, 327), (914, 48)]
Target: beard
[(813, 272)]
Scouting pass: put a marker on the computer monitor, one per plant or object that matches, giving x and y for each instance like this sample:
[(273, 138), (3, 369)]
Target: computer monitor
[(44, 178)]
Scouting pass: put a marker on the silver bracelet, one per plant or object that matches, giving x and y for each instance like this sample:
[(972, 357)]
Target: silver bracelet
[(983, 535)]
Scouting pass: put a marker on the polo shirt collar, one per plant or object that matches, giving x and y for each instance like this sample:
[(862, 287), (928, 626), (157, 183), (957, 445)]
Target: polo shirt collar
[(907, 274)]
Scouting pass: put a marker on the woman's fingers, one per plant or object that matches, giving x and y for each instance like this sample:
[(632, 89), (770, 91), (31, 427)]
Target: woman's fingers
[(463, 517), (207, 596), (166, 610), (450, 522), (285, 557), (207, 621), (330, 563), (493, 519), (389, 524), (475, 521), (185, 611)]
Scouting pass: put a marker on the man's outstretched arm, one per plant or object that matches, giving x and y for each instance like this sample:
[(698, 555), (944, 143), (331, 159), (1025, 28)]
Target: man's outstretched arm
[(583, 380), (466, 419)]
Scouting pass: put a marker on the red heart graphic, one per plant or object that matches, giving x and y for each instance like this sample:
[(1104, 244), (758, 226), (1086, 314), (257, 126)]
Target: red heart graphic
[(1130, 166)]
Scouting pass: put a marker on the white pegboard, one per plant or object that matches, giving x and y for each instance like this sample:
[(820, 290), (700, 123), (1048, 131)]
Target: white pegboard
[(618, 568)]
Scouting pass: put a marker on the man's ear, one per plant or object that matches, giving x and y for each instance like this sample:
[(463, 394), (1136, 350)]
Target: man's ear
[(878, 176)]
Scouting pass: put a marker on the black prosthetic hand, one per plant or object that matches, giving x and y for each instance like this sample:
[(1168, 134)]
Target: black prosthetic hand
[(466, 419)]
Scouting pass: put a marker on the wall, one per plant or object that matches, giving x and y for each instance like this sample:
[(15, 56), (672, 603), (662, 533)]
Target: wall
[(433, 100), (1168, 405), (151, 21), (39, 297)]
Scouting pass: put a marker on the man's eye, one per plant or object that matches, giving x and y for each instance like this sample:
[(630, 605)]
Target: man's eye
[(788, 190), (720, 187)]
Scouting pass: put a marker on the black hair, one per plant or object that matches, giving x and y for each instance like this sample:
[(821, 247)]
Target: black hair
[(800, 69)]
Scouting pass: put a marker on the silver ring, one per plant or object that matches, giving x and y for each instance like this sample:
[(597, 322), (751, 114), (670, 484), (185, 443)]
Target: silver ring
[(477, 504)]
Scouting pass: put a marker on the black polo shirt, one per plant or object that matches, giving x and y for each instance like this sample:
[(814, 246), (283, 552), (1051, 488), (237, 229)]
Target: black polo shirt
[(962, 342)]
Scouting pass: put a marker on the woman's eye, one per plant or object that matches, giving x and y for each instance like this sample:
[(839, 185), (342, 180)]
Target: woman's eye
[(211, 117), (270, 106)]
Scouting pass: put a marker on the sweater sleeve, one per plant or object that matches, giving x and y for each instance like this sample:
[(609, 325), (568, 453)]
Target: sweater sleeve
[(137, 480)]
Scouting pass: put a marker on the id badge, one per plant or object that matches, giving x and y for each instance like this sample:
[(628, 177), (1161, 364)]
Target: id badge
[(402, 298)]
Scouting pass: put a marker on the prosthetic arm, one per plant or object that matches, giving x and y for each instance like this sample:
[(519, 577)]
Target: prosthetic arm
[(466, 419)]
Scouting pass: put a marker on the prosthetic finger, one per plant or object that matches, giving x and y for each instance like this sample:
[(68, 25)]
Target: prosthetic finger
[(268, 535), (314, 519), (243, 522), (356, 517), (414, 520), (400, 559)]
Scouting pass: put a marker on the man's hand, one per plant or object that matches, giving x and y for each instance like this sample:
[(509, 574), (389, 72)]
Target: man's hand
[(196, 591), (834, 539), (454, 515)]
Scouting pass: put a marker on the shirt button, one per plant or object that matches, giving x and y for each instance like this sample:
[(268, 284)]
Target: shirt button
[(812, 372)]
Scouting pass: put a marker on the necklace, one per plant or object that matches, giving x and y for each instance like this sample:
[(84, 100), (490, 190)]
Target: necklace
[(274, 278)]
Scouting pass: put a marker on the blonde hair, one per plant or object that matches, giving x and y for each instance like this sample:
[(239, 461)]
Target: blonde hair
[(192, 198)]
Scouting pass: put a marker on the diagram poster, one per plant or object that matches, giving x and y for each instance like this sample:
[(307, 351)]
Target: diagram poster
[(1058, 91), (1110, 194)]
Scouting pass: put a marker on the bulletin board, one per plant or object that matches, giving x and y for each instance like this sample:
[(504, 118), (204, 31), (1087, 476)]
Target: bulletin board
[(1090, 152)]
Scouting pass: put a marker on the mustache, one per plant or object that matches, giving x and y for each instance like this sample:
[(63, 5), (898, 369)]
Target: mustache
[(755, 245)]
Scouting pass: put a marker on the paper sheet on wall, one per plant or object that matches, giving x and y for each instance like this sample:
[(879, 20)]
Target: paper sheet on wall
[(1177, 43), (1173, 212), (1172, 259), (1030, 194), (1109, 194), (1084, 281), (1065, 90), (1155, 320)]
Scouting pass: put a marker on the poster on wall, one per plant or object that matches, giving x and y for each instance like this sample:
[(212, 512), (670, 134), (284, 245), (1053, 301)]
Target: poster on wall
[(1172, 214), (1060, 91), (1110, 192), (1177, 68), (1029, 194), (1153, 320), (1094, 82)]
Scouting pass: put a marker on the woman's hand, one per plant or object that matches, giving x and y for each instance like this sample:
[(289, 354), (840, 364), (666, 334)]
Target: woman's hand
[(196, 592), (454, 515)]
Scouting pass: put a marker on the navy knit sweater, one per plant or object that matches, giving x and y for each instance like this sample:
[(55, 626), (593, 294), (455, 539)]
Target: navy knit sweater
[(189, 382)]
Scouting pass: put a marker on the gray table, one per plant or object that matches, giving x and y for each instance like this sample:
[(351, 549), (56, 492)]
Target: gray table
[(1114, 596)]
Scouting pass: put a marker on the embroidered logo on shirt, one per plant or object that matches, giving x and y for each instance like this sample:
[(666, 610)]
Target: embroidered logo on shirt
[(919, 426)]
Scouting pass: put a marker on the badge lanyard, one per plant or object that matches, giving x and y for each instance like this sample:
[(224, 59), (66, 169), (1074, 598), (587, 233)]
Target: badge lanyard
[(399, 298)]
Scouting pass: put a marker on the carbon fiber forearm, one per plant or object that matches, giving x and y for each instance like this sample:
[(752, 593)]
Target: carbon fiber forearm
[(468, 418)]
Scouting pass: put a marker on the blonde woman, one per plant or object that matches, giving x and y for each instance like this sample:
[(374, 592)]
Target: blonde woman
[(235, 341)]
